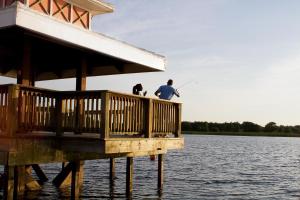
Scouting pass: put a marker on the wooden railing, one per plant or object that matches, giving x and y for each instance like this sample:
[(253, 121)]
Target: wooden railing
[(3, 107), (166, 117), (36, 109), (107, 113), (127, 114), (81, 111)]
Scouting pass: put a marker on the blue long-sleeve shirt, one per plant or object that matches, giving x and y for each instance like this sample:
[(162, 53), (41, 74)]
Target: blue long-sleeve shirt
[(166, 92)]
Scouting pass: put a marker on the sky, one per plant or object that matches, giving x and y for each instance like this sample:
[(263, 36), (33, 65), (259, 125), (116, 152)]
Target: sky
[(241, 57)]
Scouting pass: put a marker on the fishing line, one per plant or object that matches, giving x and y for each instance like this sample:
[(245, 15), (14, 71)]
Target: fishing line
[(187, 83)]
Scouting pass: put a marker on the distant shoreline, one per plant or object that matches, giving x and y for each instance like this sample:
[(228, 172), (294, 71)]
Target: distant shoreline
[(265, 134)]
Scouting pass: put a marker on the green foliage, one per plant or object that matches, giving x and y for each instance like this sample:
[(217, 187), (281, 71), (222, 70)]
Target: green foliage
[(251, 127), (271, 127), (236, 127)]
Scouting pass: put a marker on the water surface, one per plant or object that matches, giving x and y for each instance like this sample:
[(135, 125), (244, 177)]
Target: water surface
[(210, 167)]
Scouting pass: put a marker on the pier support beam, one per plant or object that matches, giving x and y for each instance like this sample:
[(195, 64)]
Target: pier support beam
[(160, 180), (71, 174), (77, 177), (30, 183), (81, 75), (112, 171), (39, 172), (129, 177), (9, 185), (17, 180), (62, 179)]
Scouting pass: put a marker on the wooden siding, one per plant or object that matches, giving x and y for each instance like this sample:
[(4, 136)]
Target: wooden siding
[(58, 9)]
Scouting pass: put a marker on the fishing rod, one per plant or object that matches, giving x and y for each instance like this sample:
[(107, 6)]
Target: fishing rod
[(186, 83)]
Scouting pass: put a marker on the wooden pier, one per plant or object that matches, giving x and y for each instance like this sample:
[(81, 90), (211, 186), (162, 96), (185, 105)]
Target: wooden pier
[(41, 126), (50, 39)]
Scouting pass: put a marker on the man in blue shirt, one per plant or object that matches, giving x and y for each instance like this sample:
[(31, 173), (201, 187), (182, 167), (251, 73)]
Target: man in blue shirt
[(166, 91)]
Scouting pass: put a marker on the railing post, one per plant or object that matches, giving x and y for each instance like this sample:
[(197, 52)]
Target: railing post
[(58, 110), (79, 114), (178, 120), (104, 127), (12, 113), (149, 118)]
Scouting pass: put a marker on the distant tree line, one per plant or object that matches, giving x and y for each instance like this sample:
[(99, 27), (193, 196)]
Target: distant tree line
[(237, 127)]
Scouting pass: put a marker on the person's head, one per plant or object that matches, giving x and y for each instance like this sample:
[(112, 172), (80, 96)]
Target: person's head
[(139, 87), (170, 82)]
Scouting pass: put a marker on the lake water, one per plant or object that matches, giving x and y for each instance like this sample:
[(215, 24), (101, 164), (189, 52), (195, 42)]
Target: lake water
[(210, 167)]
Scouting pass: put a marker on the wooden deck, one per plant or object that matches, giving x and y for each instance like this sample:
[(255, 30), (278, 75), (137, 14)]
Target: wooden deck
[(48, 148)]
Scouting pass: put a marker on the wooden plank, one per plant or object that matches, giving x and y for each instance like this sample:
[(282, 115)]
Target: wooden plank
[(88, 125), (8, 192), (19, 183), (126, 113), (39, 111), (26, 75), (30, 183), (81, 75), (149, 118), (97, 114), (178, 121), (39, 172), (118, 115), (2, 114), (59, 117), (34, 110), (124, 145), (77, 170), (12, 115), (114, 114), (93, 114), (62, 176), (119, 128), (105, 97)]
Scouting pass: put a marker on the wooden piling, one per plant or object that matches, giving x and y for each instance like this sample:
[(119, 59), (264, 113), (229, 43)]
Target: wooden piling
[(61, 179), (112, 169), (129, 177), (19, 180), (160, 180), (30, 183), (8, 191), (77, 173)]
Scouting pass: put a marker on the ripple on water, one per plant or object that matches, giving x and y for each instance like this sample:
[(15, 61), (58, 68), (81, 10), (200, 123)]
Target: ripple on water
[(210, 167)]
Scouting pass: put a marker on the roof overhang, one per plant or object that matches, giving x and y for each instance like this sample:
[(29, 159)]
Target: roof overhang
[(94, 6), (134, 59)]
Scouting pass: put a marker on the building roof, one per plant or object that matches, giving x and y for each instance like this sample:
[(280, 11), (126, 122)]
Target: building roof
[(66, 37)]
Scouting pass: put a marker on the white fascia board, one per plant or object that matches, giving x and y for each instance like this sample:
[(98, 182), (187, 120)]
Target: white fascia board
[(8, 17), (94, 6), (57, 29)]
